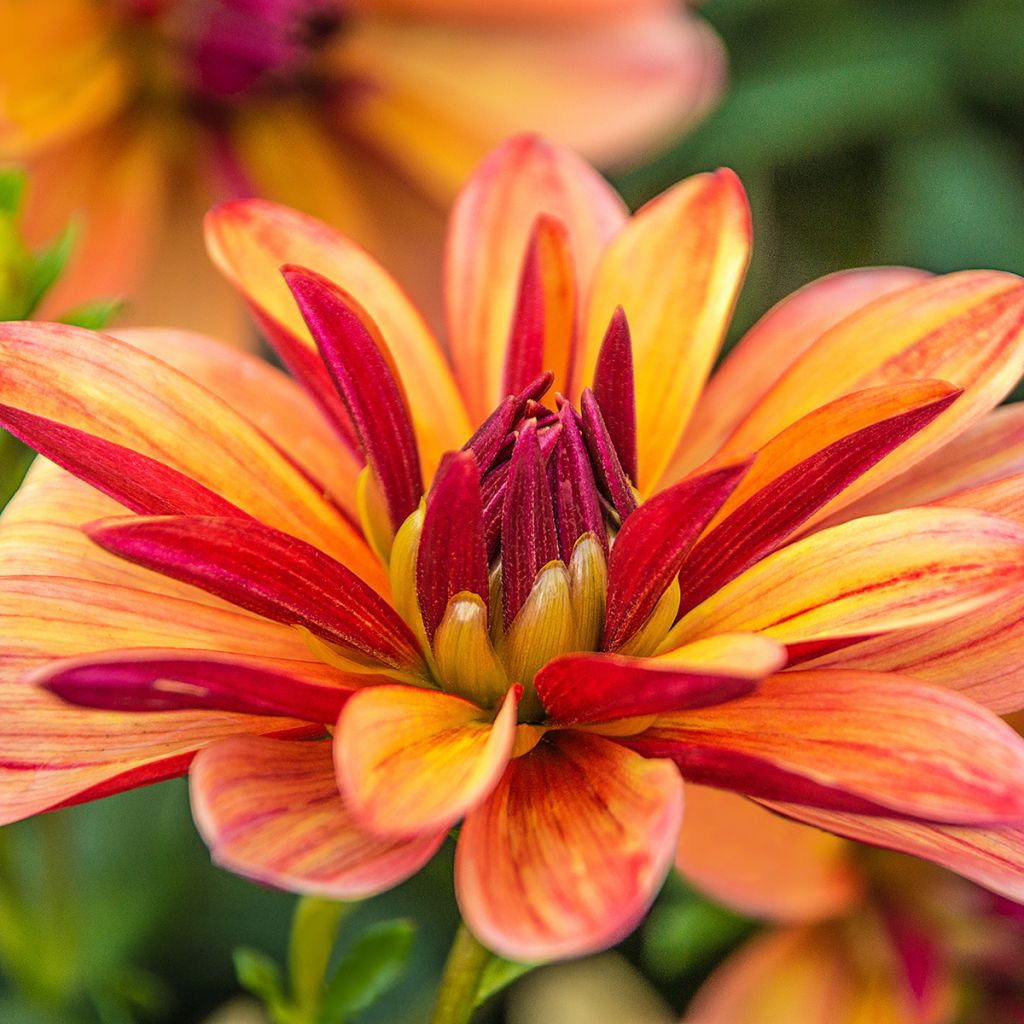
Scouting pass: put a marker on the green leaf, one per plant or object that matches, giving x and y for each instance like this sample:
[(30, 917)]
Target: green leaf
[(94, 316), (12, 189), (259, 974), (499, 974), (374, 964), (50, 264), (15, 459), (314, 929)]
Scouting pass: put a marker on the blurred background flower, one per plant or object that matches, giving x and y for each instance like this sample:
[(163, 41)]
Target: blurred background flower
[(368, 113)]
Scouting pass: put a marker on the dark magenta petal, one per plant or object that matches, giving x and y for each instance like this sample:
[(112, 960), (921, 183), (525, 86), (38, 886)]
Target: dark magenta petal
[(528, 536), (773, 514), (452, 553), (580, 688), (268, 572), (614, 390), (653, 542), (367, 386), (611, 476), (172, 681), (577, 503), (136, 481)]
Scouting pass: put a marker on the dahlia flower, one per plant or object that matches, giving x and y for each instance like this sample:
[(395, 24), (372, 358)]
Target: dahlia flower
[(142, 113), (529, 586)]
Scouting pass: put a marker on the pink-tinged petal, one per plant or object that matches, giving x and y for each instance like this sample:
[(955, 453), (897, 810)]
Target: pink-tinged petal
[(820, 460), (771, 346), (169, 680), (269, 573), (109, 389), (869, 576), (411, 760), (567, 854), (966, 328), (991, 449), (489, 233), (615, 391), (613, 83), (652, 544), (605, 457), (543, 332), (271, 811), (796, 873), (574, 490), (135, 481), (529, 538), (250, 240), (675, 269), (603, 687), (262, 394), (367, 385), (837, 973), (452, 555), (859, 741)]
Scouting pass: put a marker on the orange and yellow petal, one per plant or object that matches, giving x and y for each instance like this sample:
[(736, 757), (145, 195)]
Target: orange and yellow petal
[(270, 810), (676, 269), (411, 760), (864, 742), (795, 874), (569, 851)]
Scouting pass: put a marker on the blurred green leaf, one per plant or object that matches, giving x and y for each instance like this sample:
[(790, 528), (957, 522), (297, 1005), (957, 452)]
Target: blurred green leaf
[(13, 181), (49, 265), (374, 964), (259, 974), (499, 974), (93, 316), (314, 929)]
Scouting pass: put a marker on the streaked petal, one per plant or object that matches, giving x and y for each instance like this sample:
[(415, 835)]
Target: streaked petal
[(250, 240), (771, 346), (824, 459), (123, 395), (796, 873), (675, 269), (411, 760), (170, 680), (859, 741), (989, 450), (603, 687), (567, 854), (269, 573), (966, 328), (51, 753), (271, 811), (868, 576), (266, 397), (490, 227)]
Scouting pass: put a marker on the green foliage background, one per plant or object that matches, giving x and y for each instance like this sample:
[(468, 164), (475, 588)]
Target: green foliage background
[(866, 132)]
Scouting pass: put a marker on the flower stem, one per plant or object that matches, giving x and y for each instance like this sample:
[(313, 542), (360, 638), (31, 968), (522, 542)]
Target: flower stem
[(460, 982)]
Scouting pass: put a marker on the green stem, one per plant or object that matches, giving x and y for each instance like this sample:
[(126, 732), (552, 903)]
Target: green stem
[(460, 982)]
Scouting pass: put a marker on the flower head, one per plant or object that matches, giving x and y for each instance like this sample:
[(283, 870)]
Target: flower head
[(532, 590), (140, 114)]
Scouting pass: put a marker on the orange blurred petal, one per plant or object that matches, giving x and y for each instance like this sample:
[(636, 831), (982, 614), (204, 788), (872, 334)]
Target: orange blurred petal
[(412, 760), (488, 235), (567, 854), (771, 346), (796, 874), (270, 810), (675, 269)]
